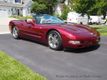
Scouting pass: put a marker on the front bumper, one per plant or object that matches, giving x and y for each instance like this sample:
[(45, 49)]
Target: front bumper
[(83, 43)]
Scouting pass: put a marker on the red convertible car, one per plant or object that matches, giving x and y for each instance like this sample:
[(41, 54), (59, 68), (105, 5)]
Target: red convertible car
[(54, 32)]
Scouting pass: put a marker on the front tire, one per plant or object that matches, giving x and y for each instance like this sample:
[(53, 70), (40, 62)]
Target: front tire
[(15, 33), (54, 40)]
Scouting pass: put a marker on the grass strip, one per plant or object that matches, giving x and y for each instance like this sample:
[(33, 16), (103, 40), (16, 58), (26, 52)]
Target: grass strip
[(11, 69)]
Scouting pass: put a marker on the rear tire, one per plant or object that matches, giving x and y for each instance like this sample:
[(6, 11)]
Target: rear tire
[(54, 40), (15, 32)]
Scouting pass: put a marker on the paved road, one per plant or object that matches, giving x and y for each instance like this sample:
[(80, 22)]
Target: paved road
[(87, 64)]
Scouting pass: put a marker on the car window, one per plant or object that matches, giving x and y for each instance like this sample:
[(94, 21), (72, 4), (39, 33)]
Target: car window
[(47, 19)]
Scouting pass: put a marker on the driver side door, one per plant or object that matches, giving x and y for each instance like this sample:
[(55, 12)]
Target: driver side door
[(32, 31)]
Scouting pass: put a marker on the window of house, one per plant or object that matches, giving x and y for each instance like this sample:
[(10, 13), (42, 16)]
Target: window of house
[(17, 1)]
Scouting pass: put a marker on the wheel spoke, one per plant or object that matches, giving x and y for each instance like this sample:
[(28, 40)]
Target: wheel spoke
[(15, 33), (53, 40)]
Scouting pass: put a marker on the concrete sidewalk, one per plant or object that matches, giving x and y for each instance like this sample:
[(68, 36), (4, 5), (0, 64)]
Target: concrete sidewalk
[(4, 29), (4, 24)]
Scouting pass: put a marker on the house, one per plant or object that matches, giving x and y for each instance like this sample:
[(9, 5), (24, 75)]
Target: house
[(15, 7)]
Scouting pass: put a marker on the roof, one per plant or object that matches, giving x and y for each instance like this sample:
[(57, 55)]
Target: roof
[(6, 4)]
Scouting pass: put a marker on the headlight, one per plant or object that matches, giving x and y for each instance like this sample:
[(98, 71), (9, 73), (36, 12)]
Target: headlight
[(74, 42)]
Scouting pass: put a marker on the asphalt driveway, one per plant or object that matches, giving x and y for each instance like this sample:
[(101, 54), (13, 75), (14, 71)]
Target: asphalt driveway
[(85, 64)]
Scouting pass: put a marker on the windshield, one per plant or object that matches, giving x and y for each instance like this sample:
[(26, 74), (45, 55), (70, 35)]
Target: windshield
[(47, 19)]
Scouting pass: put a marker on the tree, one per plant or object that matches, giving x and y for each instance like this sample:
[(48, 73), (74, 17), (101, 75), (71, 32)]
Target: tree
[(64, 12), (43, 6), (82, 6), (90, 7), (38, 7), (99, 8)]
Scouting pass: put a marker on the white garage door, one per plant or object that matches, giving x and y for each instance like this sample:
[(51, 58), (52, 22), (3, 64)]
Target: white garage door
[(3, 13)]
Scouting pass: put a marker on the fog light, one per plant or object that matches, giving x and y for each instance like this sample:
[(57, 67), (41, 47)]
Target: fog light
[(74, 42)]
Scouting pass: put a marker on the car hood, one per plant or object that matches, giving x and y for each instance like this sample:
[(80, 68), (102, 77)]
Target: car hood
[(75, 28), (80, 31)]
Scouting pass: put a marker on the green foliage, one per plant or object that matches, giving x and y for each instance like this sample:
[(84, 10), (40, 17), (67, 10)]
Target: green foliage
[(64, 12), (43, 6), (99, 8), (82, 6), (38, 7), (91, 7)]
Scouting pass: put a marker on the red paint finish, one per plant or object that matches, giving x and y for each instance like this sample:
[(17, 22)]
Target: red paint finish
[(69, 32)]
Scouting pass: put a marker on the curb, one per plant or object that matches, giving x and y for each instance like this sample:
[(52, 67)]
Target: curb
[(4, 32)]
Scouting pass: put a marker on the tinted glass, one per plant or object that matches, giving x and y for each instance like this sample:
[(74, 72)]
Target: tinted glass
[(47, 19), (17, 1)]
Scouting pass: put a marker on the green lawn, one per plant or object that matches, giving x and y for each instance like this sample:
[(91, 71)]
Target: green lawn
[(101, 28), (21, 17), (10, 69)]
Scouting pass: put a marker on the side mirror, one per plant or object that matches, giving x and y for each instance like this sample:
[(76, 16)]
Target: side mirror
[(30, 21)]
